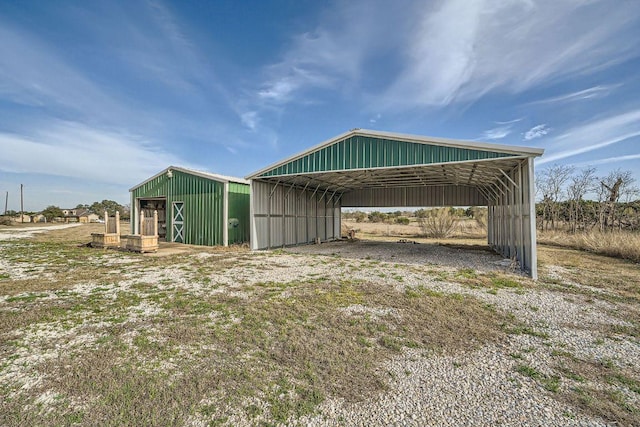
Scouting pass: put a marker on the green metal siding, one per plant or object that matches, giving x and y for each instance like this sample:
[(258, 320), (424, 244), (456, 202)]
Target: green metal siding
[(203, 205), (239, 209), (363, 152)]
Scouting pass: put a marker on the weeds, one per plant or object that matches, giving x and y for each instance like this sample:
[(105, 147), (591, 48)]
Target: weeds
[(158, 352)]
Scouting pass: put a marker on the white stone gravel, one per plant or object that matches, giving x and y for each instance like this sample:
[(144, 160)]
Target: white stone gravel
[(425, 389), (26, 232)]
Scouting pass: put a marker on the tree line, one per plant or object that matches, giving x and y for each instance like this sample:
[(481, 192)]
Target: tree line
[(563, 189), (111, 207)]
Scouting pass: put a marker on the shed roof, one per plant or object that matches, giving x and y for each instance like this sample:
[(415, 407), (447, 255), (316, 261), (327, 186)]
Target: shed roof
[(203, 174), (373, 159)]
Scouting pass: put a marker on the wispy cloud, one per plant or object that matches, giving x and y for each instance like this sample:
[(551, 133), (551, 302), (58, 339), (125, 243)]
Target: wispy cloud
[(497, 133), (375, 118), (69, 149), (250, 119), (456, 50), (464, 49), (592, 136), (510, 122), (38, 77), (536, 132), (590, 93), (328, 58), (616, 159), (141, 77)]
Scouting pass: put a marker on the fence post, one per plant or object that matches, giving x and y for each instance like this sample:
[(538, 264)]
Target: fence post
[(155, 223), (142, 223), (117, 222)]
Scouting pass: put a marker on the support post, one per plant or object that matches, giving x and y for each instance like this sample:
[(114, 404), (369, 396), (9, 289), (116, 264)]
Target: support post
[(225, 215), (532, 221), (21, 203)]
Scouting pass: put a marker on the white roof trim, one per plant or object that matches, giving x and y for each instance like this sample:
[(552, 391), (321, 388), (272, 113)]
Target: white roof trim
[(207, 175), (473, 145)]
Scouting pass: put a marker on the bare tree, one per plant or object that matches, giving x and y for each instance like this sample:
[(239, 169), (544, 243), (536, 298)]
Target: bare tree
[(550, 183), (618, 184), (580, 184)]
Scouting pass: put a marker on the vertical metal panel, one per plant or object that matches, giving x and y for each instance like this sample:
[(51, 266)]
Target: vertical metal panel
[(311, 217), (292, 216), (301, 216), (239, 196), (511, 223), (415, 196), (358, 152), (203, 205)]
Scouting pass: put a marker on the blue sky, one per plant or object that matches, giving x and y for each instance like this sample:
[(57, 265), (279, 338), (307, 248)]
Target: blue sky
[(97, 96)]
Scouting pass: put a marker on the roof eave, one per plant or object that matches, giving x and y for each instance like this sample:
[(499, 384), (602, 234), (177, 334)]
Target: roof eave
[(520, 151), (211, 176)]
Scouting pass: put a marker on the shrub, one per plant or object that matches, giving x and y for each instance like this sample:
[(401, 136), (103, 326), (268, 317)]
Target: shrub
[(438, 223)]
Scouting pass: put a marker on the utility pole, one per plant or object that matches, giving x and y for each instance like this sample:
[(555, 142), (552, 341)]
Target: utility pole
[(21, 205), (6, 203)]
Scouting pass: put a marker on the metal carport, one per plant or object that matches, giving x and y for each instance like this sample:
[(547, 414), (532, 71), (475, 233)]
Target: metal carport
[(298, 200)]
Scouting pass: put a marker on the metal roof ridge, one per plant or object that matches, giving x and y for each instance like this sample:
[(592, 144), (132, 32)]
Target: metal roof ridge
[(485, 146), (203, 174)]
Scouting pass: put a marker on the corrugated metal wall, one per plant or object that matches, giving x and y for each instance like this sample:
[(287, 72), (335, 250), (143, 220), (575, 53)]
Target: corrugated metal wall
[(511, 223), (203, 205), (361, 152), (414, 197), (286, 216), (239, 195)]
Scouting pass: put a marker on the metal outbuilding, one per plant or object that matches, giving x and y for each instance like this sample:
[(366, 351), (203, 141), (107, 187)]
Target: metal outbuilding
[(194, 207), (298, 200)]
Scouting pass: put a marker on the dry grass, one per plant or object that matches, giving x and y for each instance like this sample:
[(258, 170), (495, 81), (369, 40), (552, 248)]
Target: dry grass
[(113, 338), (616, 244), (464, 228), (95, 337), (597, 389)]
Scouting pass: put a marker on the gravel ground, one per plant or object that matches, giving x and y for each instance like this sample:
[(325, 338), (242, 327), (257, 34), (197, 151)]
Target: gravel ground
[(426, 389), (482, 387), (407, 251), (25, 232)]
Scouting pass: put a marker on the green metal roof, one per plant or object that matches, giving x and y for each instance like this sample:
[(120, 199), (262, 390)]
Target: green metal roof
[(364, 158)]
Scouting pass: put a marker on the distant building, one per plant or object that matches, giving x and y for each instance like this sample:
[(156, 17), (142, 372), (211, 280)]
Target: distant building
[(79, 215)]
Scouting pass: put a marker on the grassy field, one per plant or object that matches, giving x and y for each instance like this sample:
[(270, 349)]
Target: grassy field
[(213, 337)]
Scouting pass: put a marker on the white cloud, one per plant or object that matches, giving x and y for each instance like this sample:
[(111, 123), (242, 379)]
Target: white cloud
[(536, 132), (497, 133), (250, 119), (592, 136), (442, 55), (509, 122), (454, 50), (590, 93), (616, 159), (464, 49), (331, 55), (38, 77), (69, 149)]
